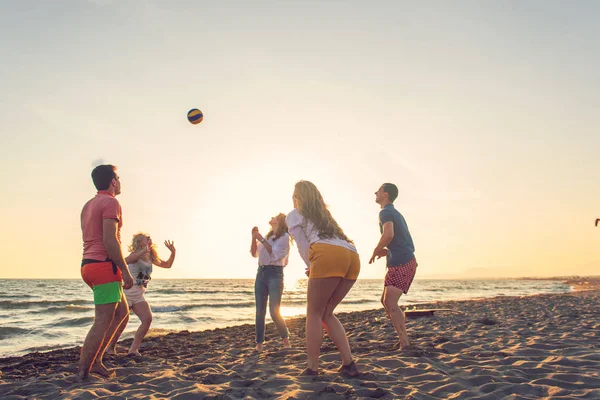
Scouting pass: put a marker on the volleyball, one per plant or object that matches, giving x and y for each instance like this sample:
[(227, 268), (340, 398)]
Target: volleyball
[(195, 116)]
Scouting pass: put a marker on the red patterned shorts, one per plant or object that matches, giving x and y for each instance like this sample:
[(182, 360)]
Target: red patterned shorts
[(401, 276)]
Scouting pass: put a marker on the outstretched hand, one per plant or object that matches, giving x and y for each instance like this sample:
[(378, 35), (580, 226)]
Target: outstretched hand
[(170, 245), (378, 254)]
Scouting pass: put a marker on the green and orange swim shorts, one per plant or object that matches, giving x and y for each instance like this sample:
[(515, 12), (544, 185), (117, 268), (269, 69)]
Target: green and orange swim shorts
[(105, 280)]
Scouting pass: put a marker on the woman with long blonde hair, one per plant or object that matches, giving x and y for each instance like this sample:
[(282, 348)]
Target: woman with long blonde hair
[(272, 252), (143, 251), (333, 266)]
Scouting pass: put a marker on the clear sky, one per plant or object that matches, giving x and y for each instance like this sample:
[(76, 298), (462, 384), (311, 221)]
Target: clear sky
[(484, 113)]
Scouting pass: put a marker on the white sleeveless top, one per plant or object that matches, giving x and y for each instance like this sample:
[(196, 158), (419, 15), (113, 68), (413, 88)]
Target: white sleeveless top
[(141, 271)]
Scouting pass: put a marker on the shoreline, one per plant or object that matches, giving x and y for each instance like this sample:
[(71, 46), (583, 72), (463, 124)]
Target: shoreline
[(533, 346), (19, 342), (577, 282), (161, 331), (426, 278)]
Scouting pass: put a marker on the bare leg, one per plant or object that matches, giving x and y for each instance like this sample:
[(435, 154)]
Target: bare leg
[(121, 312), (383, 303), (112, 346), (104, 315), (391, 297), (142, 310), (319, 292), (333, 326)]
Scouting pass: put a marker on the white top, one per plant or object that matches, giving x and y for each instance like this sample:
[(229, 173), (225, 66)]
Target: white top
[(304, 233), (141, 271), (280, 251)]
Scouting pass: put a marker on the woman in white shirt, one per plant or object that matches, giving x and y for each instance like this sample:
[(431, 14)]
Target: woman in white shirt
[(333, 267), (143, 251), (272, 253)]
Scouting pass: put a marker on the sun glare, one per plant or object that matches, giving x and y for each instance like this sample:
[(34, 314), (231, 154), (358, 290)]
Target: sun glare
[(292, 311), (291, 282)]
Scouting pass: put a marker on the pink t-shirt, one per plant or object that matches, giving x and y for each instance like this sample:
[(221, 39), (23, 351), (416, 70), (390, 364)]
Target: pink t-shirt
[(95, 211)]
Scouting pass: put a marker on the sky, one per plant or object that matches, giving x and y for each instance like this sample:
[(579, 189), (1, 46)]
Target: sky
[(483, 113)]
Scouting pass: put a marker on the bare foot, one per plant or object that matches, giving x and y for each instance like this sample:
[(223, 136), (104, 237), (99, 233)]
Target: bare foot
[(259, 347), (134, 354), (81, 377), (351, 370), (287, 344), (412, 351), (309, 372), (101, 370), (404, 344)]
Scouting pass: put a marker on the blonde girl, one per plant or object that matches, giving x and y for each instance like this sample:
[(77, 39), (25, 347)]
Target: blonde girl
[(142, 256)]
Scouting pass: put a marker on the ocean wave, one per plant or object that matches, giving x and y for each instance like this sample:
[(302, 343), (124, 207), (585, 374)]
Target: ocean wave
[(361, 301), (187, 319), (62, 313), (244, 304), (51, 333), (160, 332), (48, 347), (8, 331), (77, 307), (72, 322), (15, 296), (12, 305), (226, 305), (71, 308), (197, 299), (166, 309), (296, 302), (186, 307), (195, 291)]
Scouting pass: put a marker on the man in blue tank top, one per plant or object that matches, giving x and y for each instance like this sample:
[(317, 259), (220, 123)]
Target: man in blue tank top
[(397, 246)]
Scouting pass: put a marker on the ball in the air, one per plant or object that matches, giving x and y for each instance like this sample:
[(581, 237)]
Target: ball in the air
[(195, 116)]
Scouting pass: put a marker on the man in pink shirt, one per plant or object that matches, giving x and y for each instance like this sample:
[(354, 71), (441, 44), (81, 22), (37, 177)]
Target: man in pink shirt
[(102, 268)]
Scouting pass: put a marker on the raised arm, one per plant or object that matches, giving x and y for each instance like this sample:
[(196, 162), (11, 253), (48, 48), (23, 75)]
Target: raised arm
[(135, 256), (254, 244), (169, 263), (257, 236)]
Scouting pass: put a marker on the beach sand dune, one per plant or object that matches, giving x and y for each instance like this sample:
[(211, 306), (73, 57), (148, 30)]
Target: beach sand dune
[(544, 346)]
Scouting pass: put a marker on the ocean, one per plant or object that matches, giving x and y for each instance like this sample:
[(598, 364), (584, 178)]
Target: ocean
[(42, 315)]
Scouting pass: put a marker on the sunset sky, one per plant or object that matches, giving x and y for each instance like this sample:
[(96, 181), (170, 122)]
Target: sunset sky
[(485, 114)]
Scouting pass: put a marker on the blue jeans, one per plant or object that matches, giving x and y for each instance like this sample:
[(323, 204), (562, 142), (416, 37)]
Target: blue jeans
[(269, 283)]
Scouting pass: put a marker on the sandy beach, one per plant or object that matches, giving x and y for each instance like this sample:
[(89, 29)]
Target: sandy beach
[(544, 346)]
